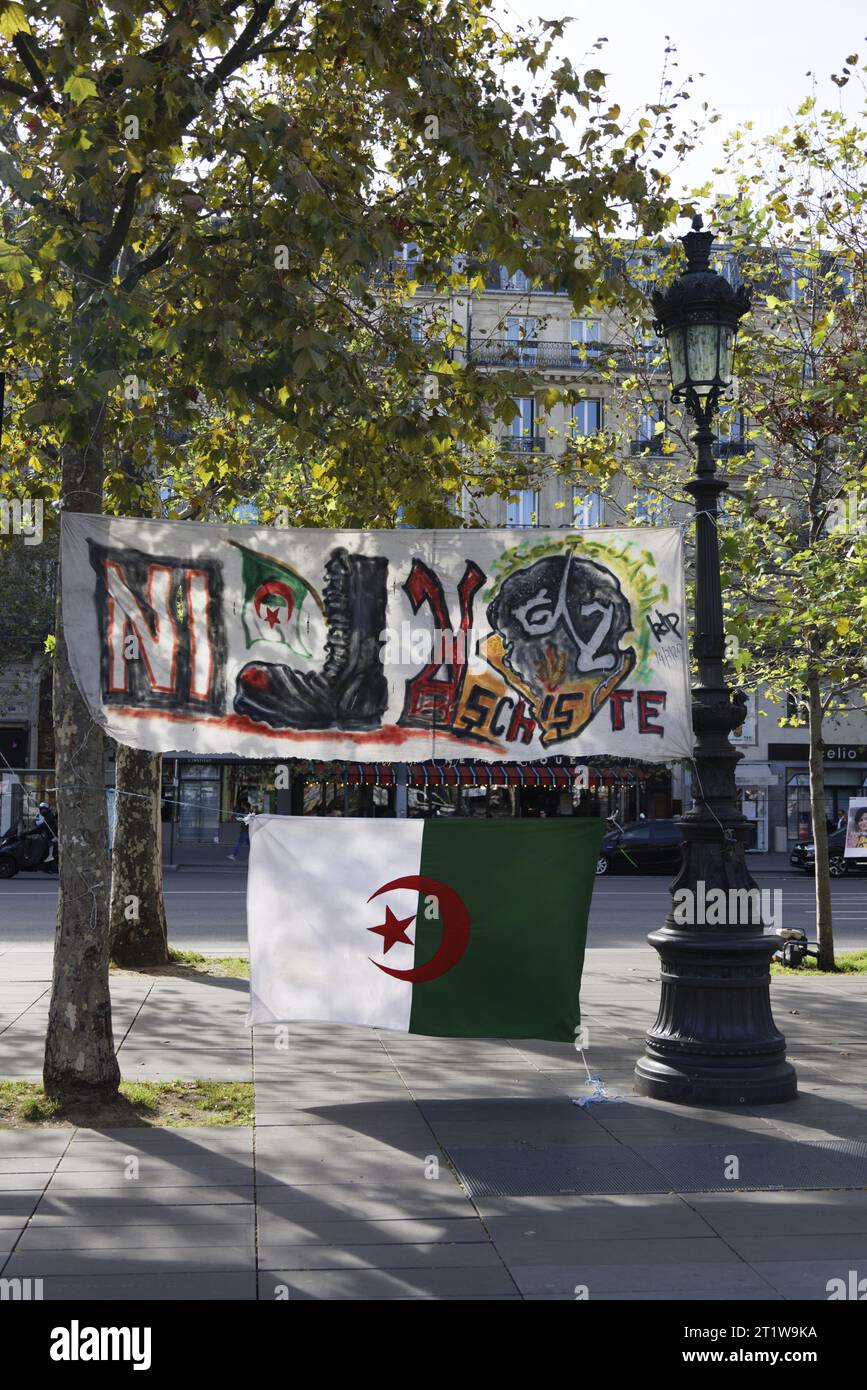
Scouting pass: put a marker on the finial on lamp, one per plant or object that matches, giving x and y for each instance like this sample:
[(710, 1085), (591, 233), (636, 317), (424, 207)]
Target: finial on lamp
[(697, 244)]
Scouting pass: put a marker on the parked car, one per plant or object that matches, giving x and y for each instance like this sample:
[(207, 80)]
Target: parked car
[(642, 846), (803, 857)]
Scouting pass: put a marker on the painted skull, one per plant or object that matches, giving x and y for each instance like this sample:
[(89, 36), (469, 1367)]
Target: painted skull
[(560, 619)]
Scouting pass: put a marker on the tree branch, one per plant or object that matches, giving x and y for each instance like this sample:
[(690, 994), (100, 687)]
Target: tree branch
[(25, 47), (17, 89), (157, 257), (113, 242)]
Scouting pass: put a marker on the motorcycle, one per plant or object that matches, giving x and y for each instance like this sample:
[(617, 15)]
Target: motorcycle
[(28, 850)]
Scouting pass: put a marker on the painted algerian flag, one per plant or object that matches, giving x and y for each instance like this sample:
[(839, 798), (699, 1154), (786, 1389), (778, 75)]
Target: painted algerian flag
[(273, 597), (463, 929)]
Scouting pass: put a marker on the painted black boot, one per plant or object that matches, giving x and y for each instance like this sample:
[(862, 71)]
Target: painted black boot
[(351, 690)]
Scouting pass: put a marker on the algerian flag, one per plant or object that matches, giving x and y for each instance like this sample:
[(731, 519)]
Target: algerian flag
[(273, 597), (463, 929)]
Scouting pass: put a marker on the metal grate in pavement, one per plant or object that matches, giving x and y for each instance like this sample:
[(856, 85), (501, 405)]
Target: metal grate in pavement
[(562, 1168), (528, 1171), (761, 1167)]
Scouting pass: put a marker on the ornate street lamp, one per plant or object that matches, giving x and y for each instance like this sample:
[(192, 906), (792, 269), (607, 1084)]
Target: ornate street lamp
[(714, 1041)]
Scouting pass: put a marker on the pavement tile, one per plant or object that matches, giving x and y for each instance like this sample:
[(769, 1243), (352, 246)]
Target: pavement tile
[(205, 1285), (292, 1230), (16, 1204), (177, 1259), (367, 1284), (329, 1202), (164, 1143), (396, 1255), (808, 1279), (663, 1251), (58, 1199), (147, 1236), (726, 1280), (758, 1295), (782, 1213), (40, 1166), (612, 1218), (135, 1215), (849, 1247)]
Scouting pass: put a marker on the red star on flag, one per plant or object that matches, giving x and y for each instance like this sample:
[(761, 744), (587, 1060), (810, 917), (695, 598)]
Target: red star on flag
[(392, 930), (273, 617)]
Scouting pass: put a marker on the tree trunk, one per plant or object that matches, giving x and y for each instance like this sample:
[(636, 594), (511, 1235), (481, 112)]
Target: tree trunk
[(80, 1062), (139, 936), (824, 918)]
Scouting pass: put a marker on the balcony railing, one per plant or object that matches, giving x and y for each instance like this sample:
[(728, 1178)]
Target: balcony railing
[(504, 352), (563, 356), (523, 443), (650, 446)]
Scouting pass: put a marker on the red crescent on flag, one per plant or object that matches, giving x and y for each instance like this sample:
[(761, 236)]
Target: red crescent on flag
[(273, 588), (455, 922)]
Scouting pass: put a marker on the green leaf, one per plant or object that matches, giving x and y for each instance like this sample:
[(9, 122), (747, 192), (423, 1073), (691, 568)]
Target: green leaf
[(80, 88), (13, 21)]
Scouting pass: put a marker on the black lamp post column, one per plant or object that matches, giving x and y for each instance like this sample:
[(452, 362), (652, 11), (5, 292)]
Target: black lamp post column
[(714, 1041)]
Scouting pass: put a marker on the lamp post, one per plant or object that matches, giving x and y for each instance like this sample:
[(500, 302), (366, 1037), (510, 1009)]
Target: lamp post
[(714, 1041)]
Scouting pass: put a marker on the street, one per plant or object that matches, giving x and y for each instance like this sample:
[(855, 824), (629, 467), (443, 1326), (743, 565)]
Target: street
[(206, 909)]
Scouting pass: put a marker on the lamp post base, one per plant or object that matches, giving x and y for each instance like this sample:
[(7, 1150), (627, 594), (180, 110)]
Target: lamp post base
[(714, 1041)]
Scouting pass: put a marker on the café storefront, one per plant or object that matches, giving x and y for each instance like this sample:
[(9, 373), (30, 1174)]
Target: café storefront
[(202, 797), (845, 776)]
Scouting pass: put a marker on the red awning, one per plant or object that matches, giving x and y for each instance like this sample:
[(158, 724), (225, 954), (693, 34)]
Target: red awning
[(447, 774)]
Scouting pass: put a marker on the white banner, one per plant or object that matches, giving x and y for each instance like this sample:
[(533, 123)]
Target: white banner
[(379, 646)]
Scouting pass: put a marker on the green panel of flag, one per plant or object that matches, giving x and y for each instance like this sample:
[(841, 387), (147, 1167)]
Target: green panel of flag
[(527, 885)]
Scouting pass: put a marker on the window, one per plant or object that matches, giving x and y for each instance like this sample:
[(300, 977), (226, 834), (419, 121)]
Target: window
[(517, 281), (651, 350), (586, 508), (730, 429), (522, 508), (522, 332), (651, 508), (726, 264), (648, 436), (799, 819), (796, 279), (648, 420), (410, 257), (584, 337), (586, 417), (521, 434), (637, 835)]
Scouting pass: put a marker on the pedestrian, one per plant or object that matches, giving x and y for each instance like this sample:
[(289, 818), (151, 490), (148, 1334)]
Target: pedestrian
[(841, 820), (243, 813), (46, 823)]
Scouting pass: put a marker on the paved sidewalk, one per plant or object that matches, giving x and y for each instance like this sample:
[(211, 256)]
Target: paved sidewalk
[(347, 1187)]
